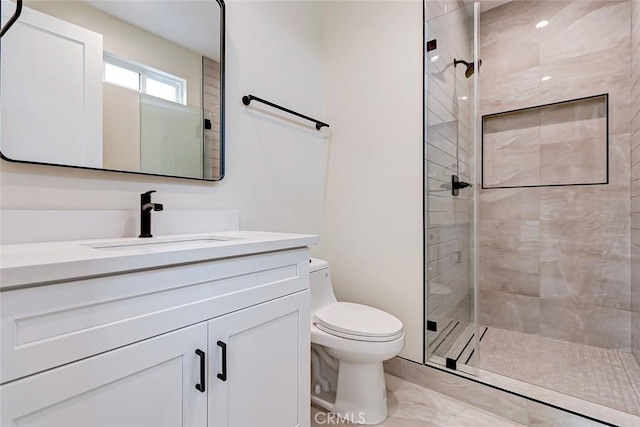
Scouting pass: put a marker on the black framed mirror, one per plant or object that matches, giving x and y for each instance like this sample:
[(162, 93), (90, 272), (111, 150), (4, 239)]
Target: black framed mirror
[(118, 85)]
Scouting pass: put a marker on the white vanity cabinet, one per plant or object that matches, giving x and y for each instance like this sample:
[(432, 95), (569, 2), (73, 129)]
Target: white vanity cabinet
[(263, 382), (150, 383), (146, 348)]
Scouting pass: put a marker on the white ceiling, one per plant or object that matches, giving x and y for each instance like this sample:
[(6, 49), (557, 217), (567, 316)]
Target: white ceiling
[(192, 24)]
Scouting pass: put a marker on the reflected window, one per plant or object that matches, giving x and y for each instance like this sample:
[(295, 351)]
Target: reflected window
[(144, 79), (164, 90), (121, 76)]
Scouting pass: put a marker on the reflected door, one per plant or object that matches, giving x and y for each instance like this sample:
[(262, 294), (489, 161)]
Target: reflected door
[(451, 327), (51, 91)]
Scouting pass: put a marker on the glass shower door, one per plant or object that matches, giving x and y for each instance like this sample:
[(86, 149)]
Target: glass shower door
[(450, 81)]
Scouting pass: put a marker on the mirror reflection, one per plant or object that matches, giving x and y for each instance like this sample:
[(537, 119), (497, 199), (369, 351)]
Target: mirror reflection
[(130, 86)]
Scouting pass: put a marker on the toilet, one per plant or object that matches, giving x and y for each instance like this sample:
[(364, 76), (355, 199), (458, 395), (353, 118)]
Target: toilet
[(349, 342)]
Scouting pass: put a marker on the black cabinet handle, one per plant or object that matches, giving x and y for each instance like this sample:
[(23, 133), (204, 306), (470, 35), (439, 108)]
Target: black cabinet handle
[(200, 387), (223, 375)]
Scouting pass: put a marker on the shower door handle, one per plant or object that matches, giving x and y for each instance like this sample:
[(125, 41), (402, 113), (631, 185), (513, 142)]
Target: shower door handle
[(456, 185)]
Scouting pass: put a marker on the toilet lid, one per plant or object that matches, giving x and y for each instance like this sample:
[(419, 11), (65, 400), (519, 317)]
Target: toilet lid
[(357, 320)]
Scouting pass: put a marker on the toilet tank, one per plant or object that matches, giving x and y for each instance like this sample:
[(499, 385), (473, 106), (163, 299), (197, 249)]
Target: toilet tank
[(320, 284)]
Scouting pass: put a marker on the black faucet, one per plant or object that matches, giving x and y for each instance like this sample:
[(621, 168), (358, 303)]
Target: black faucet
[(145, 213)]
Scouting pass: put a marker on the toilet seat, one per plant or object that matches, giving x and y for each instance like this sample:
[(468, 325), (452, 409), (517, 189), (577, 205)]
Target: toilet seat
[(358, 322)]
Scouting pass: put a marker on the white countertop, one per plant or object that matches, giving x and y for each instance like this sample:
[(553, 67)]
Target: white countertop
[(31, 264)]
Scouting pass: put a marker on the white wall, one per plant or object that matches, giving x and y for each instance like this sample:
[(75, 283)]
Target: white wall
[(374, 188), (359, 70), (275, 170)]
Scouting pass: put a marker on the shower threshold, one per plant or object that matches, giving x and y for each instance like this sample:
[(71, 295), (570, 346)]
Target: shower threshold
[(454, 346)]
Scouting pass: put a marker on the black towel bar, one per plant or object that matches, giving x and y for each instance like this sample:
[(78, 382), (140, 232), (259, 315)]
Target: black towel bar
[(246, 100)]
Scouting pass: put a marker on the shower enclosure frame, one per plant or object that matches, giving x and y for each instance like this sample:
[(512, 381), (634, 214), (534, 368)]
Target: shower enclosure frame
[(472, 167)]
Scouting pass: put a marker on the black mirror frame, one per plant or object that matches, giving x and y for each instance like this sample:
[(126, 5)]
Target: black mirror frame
[(222, 127)]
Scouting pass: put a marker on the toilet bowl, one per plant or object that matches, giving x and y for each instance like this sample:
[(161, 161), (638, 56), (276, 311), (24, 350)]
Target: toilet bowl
[(349, 342)]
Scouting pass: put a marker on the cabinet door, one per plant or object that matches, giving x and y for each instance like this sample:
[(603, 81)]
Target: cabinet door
[(150, 383), (267, 365)]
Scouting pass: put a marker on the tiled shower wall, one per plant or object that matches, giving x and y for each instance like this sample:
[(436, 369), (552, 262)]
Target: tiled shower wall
[(448, 151), (211, 105), (555, 261), (635, 176)]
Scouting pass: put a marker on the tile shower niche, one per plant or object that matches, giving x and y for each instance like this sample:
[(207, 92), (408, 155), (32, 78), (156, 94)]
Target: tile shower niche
[(564, 143)]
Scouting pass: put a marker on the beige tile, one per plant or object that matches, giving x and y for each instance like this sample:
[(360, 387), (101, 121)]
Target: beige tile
[(510, 146), (574, 121), (635, 141), (603, 239), (620, 160), (481, 391), (581, 282), (512, 273), (507, 50), (586, 206), (440, 266), (592, 74), (547, 416), (509, 21), (635, 158), (443, 234), (447, 283), (584, 27), (636, 334), (592, 240), (510, 311), (413, 406), (411, 402), (509, 127), (511, 166), (509, 256), (573, 162), (586, 324), (447, 131), (510, 91), (635, 314), (562, 400), (441, 158), (635, 188), (440, 204), (573, 140), (495, 401), (441, 142), (620, 111), (440, 219), (510, 236), (439, 173), (511, 204), (442, 250), (602, 376), (437, 8)]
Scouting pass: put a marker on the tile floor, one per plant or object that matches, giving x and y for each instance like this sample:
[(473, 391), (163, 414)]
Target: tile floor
[(486, 392), (603, 376), (413, 406)]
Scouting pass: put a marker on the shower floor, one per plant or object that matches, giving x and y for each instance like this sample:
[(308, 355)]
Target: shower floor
[(606, 377)]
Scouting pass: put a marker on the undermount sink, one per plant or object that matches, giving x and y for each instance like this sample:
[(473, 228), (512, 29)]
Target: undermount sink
[(158, 242)]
